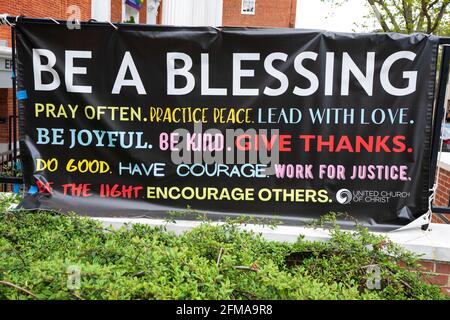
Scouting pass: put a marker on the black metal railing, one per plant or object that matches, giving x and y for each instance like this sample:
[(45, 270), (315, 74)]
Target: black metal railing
[(10, 165), (10, 172)]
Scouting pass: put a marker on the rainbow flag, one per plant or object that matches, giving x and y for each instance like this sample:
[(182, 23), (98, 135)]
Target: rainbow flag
[(137, 4)]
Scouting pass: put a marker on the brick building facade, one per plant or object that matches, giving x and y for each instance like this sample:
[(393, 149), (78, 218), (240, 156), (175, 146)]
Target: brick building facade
[(267, 13), (442, 196), (56, 9)]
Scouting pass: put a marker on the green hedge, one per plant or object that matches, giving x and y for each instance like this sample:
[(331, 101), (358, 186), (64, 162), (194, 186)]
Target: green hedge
[(38, 249)]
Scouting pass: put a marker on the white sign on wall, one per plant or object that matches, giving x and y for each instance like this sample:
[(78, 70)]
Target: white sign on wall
[(248, 7), (5, 67), (5, 64)]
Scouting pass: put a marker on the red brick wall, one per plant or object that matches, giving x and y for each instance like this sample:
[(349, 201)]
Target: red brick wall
[(143, 13), (268, 13), (116, 10), (56, 9), (437, 273), (443, 190), (41, 9), (442, 196)]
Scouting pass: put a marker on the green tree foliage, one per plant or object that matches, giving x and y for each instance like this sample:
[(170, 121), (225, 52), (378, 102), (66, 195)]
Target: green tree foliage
[(39, 250), (409, 16)]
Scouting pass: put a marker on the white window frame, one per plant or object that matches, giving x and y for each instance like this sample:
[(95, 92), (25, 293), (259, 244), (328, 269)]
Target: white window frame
[(248, 12)]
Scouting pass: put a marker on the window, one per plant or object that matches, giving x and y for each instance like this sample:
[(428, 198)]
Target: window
[(129, 13), (248, 7)]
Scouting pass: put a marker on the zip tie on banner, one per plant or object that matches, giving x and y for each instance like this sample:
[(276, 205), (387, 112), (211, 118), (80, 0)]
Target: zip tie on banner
[(52, 20), (114, 26), (22, 95), (4, 19)]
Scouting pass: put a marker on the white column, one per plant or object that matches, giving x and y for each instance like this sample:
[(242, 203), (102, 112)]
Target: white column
[(192, 12), (101, 10), (152, 10)]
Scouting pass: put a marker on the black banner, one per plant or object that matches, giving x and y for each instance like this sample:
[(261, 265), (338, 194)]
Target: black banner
[(143, 120)]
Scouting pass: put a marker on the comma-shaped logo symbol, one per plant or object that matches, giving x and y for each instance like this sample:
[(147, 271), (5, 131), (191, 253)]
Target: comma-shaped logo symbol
[(344, 196)]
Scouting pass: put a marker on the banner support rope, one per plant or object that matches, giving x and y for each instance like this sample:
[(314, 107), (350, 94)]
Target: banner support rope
[(4, 19), (50, 18), (114, 26)]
